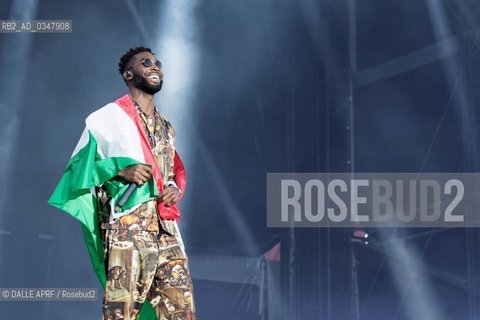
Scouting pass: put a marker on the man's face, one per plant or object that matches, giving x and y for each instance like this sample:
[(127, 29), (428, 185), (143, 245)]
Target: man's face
[(148, 79)]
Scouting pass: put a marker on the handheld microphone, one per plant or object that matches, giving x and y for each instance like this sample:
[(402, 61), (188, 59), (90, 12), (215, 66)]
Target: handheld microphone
[(125, 196)]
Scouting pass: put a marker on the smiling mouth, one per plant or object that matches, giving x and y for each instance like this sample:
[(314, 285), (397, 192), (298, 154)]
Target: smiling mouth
[(154, 76)]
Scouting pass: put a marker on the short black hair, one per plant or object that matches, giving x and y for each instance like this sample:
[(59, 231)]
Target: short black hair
[(125, 59)]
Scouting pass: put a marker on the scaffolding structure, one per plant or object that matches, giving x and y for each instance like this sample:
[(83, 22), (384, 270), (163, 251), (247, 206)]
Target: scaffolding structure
[(459, 54)]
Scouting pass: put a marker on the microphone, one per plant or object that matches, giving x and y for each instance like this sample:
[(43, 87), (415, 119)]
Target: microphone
[(125, 196)]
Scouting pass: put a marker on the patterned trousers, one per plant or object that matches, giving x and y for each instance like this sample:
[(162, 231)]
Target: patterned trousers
[(147, 265)]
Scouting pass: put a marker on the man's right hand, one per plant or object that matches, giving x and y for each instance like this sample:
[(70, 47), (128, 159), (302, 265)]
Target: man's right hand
[(138, 174)]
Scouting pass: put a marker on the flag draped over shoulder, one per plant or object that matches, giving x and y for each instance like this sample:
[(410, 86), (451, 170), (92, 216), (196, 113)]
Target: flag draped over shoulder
[(111, 141), (74, 195)]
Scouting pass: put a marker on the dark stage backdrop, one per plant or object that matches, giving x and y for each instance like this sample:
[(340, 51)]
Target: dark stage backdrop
[(272, 86)]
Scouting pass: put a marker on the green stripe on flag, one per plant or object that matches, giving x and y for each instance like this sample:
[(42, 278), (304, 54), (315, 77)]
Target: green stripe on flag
[(86, 170)]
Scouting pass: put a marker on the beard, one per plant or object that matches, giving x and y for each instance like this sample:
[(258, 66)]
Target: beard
[(142, 84)]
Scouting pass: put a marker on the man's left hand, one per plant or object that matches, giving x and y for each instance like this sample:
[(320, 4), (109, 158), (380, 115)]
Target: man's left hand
[(170, 195)]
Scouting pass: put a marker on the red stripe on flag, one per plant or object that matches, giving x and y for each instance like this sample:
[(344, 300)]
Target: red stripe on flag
[(126, 103)]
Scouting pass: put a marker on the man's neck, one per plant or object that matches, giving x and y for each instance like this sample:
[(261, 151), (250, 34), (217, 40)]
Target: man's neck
[(145, 101)]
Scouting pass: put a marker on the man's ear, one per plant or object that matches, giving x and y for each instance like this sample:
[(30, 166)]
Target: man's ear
[(127, 76)]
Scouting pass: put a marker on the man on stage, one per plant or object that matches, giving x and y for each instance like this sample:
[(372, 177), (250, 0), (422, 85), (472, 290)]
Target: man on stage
[(135, 247)]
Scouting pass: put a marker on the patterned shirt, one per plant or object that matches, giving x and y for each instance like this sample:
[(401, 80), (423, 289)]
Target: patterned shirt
[(145, 217)]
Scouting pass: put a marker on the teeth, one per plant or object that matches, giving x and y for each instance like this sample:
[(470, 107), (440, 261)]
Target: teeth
[(154, 76)]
